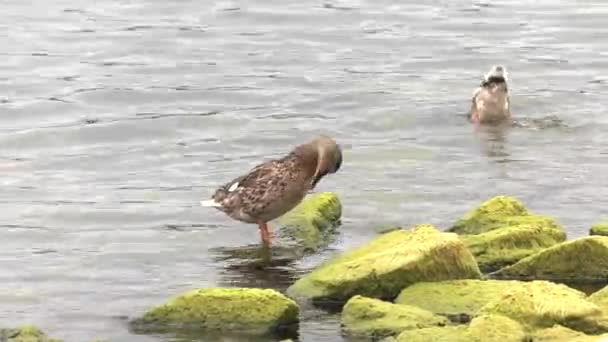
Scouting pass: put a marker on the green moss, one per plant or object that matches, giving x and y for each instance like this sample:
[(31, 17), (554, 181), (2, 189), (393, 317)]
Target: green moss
[(311, 222), (387, 264), (559, 333), (501, 247), (436, 334), (541, 304), (599, 229), (499, 212), (255, 311), (454, 297), (580, 260), (26, 333), (375, 319), (600, 298)]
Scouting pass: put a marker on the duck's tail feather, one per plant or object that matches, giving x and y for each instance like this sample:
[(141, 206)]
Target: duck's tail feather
[(210, 203)]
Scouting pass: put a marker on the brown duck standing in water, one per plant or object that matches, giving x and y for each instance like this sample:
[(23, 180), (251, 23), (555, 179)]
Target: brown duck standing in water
[(490, 103), (272, 188)]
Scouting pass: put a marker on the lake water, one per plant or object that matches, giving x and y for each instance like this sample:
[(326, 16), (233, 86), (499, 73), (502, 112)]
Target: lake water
[(117, 117)]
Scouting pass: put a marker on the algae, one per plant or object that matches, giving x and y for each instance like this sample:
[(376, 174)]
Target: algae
[(436, 334), (558, 333), (542, 304), (387, 264), (376, 319), (599, 229), (254, 311), (499, 212), (580, 260), (459, 299), (26, 333), (600, 298), (501, 247)]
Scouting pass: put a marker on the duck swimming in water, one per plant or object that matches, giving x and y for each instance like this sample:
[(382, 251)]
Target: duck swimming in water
[(490, 103), (272, 188)]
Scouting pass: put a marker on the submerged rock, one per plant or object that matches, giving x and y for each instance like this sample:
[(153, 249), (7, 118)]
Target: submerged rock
[(541, 304), (376, 319), (485, 328), (580, 260), (599, 229), (26, 333), (457, 299), (251, 311), (309, 224), (387, 264), (502, 231)]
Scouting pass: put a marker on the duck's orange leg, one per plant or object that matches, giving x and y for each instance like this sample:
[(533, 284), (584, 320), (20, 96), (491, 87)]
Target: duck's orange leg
[(264, 232)]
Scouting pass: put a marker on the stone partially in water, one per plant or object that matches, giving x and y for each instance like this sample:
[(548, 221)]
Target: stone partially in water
[(542, 304), (485, 328), (26, 333), (387, 264), (599, 229), (580, 260), (457, 299), (374, 319), (250, 311)]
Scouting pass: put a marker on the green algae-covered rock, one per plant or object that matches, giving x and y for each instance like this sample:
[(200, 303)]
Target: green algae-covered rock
[(501, 247), (26, 333), (485, 328), (600, 298), (254, 311), (311, 222), (387, 264), (454, 297), (558, 333), (541, 304), (581, 260), (499, 212), (375, 319), (599, 229)]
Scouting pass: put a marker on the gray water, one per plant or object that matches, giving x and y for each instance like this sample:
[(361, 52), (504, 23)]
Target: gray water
[(117, 117)]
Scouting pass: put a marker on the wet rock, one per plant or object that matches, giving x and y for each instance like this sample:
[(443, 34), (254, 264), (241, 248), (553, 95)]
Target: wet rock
[(502, 231), (373, 318), (599, 229), (485, 328), (249, 311), (26, 333), (600, 298), (542, 304), (310, 224), (580, 260), (458, 299), (558, 333), (387, 264)]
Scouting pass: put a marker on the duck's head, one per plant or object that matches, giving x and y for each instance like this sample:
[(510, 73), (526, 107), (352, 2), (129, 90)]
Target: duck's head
[(329, 157), (497, 74)]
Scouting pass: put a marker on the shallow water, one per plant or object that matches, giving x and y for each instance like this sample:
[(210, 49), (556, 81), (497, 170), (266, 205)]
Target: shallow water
[(117, 117)]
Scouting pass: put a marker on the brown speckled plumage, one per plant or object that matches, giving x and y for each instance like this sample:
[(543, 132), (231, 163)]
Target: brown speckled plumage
[(272, 188), (490, 102)]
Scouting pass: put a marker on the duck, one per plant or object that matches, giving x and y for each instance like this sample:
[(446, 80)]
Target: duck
[(491, 103), (274, 187)]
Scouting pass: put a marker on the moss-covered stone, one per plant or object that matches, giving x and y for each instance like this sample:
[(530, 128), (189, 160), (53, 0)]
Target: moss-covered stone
[(501, 247), (454, 298), (559, 333), (541, 304), (485, 328), (499, 212), (387, 264), (600, 298), (311, 222), (27, 333), (375, 319), (252, 311), (580, 260), (599, 229)]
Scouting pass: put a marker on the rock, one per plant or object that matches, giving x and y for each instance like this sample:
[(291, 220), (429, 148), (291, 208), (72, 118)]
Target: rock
[(310, 223), (387, 264), (502, 247), (559, 333), (599, 229), (26, 333), (376, 319), (485, 328), (457, 299), (580, 260), (251, 311), (541, 304), (600, 298), (499, 212)]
